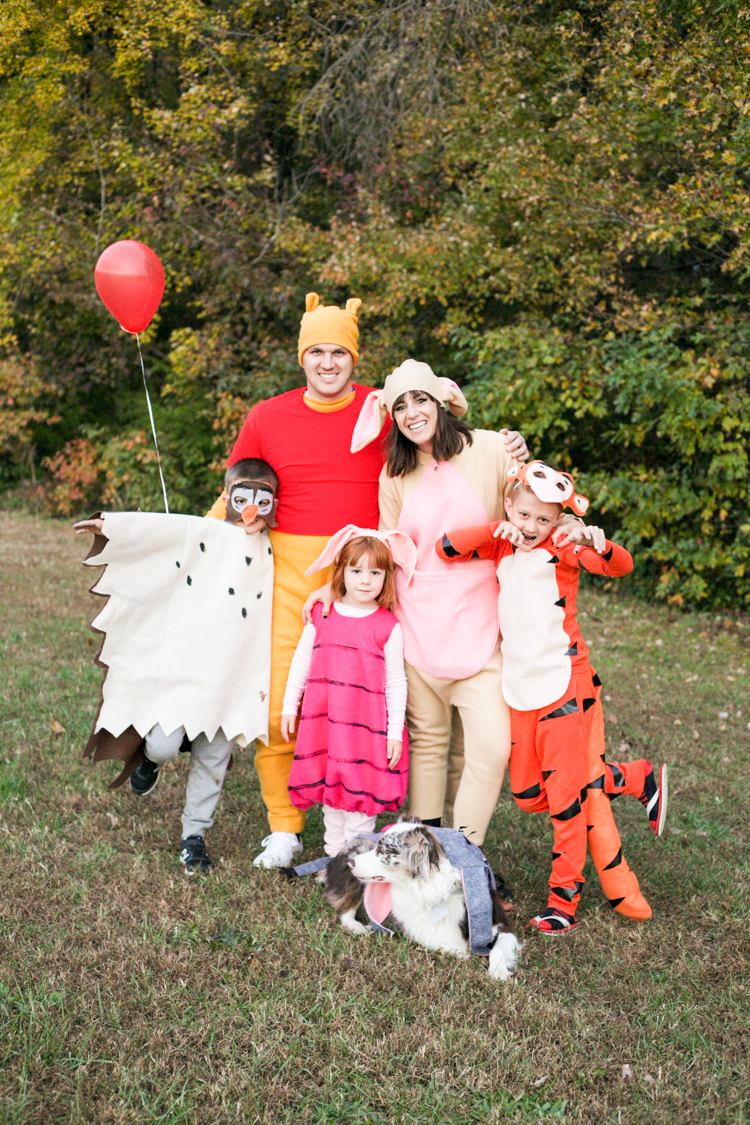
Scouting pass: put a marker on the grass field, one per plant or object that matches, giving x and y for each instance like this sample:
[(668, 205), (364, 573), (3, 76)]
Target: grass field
[(130, 994)]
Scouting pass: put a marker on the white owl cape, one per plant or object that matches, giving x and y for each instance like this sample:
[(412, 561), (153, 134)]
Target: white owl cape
[(187, 631)]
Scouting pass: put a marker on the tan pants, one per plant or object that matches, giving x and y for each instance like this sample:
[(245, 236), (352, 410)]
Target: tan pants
[(486, 723)]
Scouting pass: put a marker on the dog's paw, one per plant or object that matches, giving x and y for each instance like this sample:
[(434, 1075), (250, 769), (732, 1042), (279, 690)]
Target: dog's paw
[(349, 922), (503, 956)]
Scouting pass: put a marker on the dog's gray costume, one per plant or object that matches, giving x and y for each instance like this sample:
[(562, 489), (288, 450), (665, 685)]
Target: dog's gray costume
[(476, 875)]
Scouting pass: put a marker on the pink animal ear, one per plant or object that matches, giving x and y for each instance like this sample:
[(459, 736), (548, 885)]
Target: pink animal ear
[(404, 551), (370, 421), (335, 544)]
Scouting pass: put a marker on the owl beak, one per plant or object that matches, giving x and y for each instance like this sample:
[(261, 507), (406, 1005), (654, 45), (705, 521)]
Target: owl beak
[(249, 514)]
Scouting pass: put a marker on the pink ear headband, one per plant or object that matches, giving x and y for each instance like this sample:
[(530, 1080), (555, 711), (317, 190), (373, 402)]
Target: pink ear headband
[(400, 545), (410, 376), (550, 486)]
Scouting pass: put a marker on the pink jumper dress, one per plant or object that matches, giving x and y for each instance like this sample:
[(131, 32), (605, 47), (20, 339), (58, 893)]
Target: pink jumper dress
[(340, 757)]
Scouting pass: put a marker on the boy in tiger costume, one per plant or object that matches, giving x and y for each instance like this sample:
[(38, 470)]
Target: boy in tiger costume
[(557, 745)]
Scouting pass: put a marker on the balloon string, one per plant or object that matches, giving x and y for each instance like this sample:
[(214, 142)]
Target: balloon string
[(153, 426)]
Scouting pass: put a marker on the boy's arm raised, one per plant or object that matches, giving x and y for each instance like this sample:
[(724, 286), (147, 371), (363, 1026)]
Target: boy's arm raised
[(473, 543), (613, 562)]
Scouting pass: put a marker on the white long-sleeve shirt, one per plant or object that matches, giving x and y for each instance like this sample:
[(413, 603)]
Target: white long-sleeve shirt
[(395, 676)]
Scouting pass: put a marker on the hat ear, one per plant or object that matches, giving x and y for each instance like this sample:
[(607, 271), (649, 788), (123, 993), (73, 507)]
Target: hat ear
[(453, 397), (370, 421), (353, 304), (513, 473), (582, 504), (312, 300)]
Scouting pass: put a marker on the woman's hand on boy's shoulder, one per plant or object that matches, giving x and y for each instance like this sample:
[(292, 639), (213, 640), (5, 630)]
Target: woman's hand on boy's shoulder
[(515, 443)]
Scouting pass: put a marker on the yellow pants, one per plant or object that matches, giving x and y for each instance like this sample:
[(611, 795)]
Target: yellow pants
[(293, 554)]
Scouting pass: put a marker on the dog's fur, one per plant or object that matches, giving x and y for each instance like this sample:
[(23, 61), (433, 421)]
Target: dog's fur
[(427, 897)]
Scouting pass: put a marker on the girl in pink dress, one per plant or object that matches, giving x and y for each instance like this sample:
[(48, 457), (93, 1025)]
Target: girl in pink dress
[(351, 755)]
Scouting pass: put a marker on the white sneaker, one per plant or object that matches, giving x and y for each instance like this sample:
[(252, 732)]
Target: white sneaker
[(278, 849)]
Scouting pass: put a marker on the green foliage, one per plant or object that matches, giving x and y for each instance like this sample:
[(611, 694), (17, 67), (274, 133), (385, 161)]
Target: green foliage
[(658, 424), (549, 201)]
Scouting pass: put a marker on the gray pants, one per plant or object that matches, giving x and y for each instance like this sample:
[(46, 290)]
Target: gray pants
[(209, 761)]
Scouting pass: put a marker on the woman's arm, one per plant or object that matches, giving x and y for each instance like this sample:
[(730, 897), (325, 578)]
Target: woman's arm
[(390, 501)]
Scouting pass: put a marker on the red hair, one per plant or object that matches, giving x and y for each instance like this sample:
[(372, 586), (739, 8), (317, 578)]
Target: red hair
[(377, 556)]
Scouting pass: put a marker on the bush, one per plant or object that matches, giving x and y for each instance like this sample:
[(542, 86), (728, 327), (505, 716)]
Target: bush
[(655, 426)]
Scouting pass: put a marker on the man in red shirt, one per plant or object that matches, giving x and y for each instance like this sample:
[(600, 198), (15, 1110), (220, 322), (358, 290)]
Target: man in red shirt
[(306, 436)]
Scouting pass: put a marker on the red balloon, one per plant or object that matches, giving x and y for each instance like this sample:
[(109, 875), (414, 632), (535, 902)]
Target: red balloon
[(130, 281)]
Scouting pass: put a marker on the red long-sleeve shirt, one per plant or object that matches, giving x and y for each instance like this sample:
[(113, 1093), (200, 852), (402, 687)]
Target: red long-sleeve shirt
[(322, 485)]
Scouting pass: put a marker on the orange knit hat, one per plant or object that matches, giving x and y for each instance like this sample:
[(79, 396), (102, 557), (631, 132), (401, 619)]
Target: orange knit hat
[(328, 324)]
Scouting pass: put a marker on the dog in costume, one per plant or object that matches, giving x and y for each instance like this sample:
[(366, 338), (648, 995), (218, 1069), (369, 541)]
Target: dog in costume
[(557, 760)]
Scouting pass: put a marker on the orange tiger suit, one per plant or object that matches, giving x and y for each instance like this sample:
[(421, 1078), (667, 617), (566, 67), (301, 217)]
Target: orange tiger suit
[(557, 728)]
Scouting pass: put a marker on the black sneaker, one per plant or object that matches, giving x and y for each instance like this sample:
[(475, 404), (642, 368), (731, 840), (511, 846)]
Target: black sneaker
[(193, 855), (654, 799), (144, 779)]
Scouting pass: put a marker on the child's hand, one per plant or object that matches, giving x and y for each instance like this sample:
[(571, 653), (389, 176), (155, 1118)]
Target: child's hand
[(90, 526), (560, 536), (515, 443), (506, 530), (288, 723), (393, 748), (586, 537), (324, 595)]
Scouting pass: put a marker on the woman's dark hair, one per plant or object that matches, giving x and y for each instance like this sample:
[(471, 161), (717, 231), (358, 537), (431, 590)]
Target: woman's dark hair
[(451, 435)]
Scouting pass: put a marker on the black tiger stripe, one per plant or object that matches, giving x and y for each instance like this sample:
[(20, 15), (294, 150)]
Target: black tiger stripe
[(358, 792), (340, 785), (615, 862), (569, 813), (528, 794), (349, 648), (344, 683), (342, 723), (568, 708), (351, 762)]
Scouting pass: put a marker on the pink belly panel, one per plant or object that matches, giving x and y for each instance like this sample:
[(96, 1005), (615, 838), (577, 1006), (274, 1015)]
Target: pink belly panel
[(448, 611)]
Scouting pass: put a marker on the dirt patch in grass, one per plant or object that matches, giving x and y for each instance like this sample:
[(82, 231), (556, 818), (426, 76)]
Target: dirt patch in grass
[(128, 994)]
